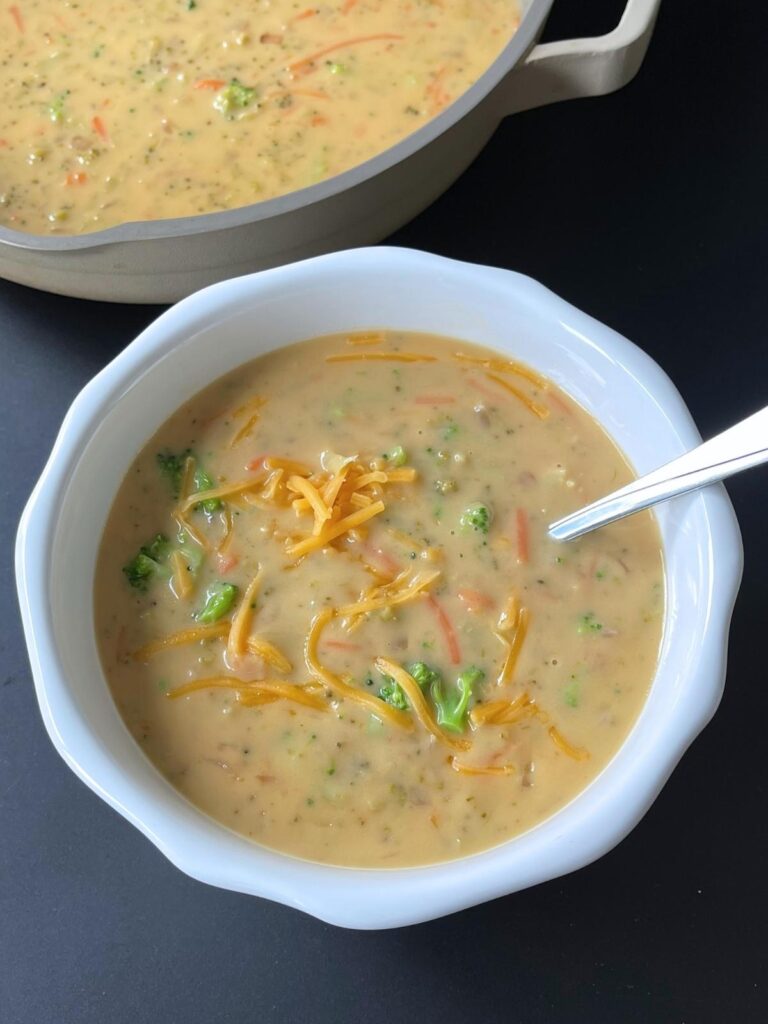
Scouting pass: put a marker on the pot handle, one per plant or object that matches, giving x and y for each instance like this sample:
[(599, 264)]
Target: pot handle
[(575, 68)]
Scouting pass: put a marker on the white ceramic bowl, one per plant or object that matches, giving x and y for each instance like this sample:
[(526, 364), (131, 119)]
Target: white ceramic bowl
[(217, 329)]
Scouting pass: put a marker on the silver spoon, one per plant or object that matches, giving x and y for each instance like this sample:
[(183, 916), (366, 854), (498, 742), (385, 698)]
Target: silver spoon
[(740, 447)]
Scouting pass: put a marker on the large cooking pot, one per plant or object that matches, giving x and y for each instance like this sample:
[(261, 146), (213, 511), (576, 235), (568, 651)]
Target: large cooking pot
[(164, 260)]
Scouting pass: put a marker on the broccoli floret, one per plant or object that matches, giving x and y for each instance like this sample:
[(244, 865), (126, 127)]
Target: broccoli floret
[(234, 97), (219, 598), (148, 563), (397, 456), (476, 517), (423, 674), (452, 710), (392, 693), (203, 482), (172, 467)]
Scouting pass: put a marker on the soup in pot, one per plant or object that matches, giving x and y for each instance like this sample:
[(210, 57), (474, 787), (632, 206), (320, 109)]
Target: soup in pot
[(115, 111), (330, 614)]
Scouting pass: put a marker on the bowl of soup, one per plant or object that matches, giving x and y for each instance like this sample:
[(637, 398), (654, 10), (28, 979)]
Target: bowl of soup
[(147, 151), (292, 608)]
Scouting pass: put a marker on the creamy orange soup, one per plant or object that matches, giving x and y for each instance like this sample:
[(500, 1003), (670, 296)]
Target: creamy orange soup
[(113, 111), (330, 614)]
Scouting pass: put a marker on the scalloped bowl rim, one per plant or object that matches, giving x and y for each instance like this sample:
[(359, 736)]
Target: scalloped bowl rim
[(702, 548)]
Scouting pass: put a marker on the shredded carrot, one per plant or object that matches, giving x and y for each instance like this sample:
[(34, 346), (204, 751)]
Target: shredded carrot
[(310, 12), (99, 127), (474, 600), (373, 704), (306, 65), (434, 400), (504, 366), (444, 622), (76, 178), (513, 646), (264, 649), (347, 6), (483, 769), (225, 563), (236, 641), (256, 463), (209, 83), (17, 17), (523, 536), (392, 357), (333, 530), (538, 410), (577, 753), (388, 565), (341, 645), (185, 636), (318, 120), (418, 702)]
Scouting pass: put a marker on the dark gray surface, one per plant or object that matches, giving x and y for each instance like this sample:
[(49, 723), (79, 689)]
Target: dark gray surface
[(648, 210)]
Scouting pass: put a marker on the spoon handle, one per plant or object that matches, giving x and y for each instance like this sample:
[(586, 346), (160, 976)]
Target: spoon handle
[(740, 447)]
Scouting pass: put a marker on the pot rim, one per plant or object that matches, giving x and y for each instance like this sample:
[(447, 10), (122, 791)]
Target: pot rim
[(204, 223)]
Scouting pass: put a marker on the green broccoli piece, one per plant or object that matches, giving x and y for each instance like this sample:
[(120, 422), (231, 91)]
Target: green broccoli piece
[(452, 710), (172, 467), (571, 695), (56, 107), (397, 457), (148, 563), (589, 624), (476, 517), (423, 674), (234, 97), (393, 693), (203, 482), (219, 598)]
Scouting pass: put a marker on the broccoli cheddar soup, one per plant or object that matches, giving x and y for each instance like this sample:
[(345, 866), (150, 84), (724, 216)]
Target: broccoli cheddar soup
[(113, 111), (330, 614)]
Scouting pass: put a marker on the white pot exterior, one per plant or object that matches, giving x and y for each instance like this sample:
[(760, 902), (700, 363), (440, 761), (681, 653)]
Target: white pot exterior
[(220, 328), (162, 261)]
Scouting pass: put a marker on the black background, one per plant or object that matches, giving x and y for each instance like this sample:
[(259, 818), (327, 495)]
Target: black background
[(648, 210)]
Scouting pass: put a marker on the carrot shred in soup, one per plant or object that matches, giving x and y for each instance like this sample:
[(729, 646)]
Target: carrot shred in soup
[(113, 111), (330, 613)]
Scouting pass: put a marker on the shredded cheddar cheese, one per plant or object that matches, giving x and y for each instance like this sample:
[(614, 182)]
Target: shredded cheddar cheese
[(537, 409), (392, 357), (185, 636), (504, 366), (236, 641), (378, 707), (270, 653)]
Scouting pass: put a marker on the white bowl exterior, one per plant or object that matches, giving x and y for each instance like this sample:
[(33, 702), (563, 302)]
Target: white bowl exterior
[(225, 325)]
